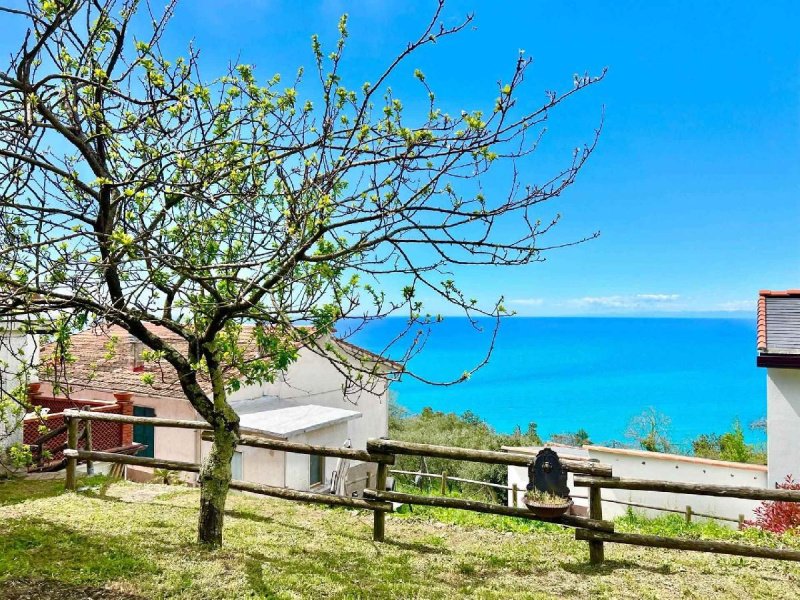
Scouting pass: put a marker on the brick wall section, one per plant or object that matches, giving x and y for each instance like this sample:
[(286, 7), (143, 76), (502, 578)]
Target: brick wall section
[(126, 408)]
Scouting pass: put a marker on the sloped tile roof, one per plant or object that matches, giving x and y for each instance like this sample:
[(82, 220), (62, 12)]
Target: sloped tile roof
[(103, 360), (778, 329)]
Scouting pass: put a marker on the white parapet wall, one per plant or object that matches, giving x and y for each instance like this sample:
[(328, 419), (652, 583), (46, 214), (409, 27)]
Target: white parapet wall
[(636, 464)]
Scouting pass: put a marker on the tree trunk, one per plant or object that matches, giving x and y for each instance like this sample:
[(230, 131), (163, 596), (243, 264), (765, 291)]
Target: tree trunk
[(215, 478)]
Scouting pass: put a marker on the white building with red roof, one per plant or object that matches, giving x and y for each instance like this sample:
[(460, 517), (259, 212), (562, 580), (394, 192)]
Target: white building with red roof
[(310, 403), (779, 353)]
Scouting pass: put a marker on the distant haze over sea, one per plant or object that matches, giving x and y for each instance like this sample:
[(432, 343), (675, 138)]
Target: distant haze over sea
[(595, 373)]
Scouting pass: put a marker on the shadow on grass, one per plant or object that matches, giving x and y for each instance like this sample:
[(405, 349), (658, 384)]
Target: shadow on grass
[(609, 566), (63, 555), (52, 589), (337, 568), (14, 491), (419, 547)]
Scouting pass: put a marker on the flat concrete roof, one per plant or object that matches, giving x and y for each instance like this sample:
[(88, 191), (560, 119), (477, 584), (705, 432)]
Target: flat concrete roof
[(284, 419)]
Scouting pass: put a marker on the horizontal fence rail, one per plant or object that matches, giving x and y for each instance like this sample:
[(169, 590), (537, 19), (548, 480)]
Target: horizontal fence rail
[(483, 456), (136, 461), (655, 541), (155, 421), (485, 507), (311, 497), (285, 446), (699, 489)]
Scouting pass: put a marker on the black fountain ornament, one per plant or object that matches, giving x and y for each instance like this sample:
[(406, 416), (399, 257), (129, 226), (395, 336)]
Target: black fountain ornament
[(548, 494)]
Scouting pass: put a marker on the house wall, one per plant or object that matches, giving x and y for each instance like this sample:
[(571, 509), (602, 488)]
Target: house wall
[(16, 351), (298, 465), (259, 465), (287, 469), (313, 379), (783, 424), (666, 467)]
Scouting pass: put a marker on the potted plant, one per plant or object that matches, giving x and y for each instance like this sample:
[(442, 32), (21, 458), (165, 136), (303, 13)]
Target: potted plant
[(546, 504)]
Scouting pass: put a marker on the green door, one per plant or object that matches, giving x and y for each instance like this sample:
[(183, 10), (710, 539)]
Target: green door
[(145, 434)]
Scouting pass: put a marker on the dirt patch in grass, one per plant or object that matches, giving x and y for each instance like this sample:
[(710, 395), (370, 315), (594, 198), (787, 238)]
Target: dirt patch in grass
[(52, 589)]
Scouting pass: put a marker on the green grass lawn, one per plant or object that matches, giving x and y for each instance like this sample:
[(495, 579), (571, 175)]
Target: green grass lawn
[(137, 541)]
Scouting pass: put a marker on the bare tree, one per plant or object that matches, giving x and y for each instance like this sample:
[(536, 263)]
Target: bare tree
[(135, 191)]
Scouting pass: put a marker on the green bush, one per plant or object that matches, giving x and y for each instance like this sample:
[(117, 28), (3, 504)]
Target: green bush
[(465, 431), (729, 446)]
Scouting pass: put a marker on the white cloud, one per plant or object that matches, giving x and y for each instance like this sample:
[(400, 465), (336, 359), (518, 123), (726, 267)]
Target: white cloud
[(628, 302), (527, 301)]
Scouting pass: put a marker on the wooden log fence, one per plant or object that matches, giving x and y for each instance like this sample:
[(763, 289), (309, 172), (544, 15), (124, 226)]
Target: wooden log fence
[(284, 446), (595, 476), (717, 547), (700, 489), (485, 507), (597, 538), (483, 456)]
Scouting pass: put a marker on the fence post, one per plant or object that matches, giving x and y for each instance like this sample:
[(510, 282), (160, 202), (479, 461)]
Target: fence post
[(444, 483), (87, 437), (379, 516), (72, 444), (741, 522), (514, 491), (596, 550), (688, 514)]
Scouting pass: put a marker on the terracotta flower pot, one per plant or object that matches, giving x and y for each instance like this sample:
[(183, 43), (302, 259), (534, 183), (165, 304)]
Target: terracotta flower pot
[(123, 396), (33, 388)]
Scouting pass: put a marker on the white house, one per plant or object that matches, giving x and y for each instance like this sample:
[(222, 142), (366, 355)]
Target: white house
[(779, 353), (18, 352), (309, 403)]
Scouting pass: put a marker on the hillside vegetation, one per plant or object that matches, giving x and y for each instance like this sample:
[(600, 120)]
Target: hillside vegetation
[(134, 541)]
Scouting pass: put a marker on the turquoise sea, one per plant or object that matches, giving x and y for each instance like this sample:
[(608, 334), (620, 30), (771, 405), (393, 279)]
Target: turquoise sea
[(591, 373)]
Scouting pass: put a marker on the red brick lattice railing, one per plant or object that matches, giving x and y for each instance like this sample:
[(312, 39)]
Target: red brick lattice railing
[(48, 432)]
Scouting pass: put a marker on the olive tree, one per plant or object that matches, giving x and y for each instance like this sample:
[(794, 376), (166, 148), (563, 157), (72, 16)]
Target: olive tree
[(136, 190)]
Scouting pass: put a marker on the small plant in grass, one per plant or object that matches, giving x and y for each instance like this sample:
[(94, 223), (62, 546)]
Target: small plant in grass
[(545, 498), (778, 517), (165, 476)]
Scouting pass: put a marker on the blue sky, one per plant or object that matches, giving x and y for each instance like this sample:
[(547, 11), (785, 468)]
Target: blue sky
[(694, 185)]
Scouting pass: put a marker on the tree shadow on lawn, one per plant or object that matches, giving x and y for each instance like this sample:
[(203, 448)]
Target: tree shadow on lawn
[(337, 567), (51, 589), (14, 491), (37, 549), (609, 566)]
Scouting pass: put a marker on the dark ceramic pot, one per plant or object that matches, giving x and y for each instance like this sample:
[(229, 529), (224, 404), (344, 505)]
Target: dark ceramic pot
[(548, 510)]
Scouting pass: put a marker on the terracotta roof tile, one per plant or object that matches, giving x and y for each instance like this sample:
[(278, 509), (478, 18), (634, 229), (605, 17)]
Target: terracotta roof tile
[(97, 368)]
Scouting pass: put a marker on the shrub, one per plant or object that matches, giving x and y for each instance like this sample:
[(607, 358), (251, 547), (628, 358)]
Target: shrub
[(465, 431), (778, 517), (729, 446)]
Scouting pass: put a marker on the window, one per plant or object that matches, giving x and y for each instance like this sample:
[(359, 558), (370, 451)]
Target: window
[(236, 466), (316, 469), (145, 434)]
